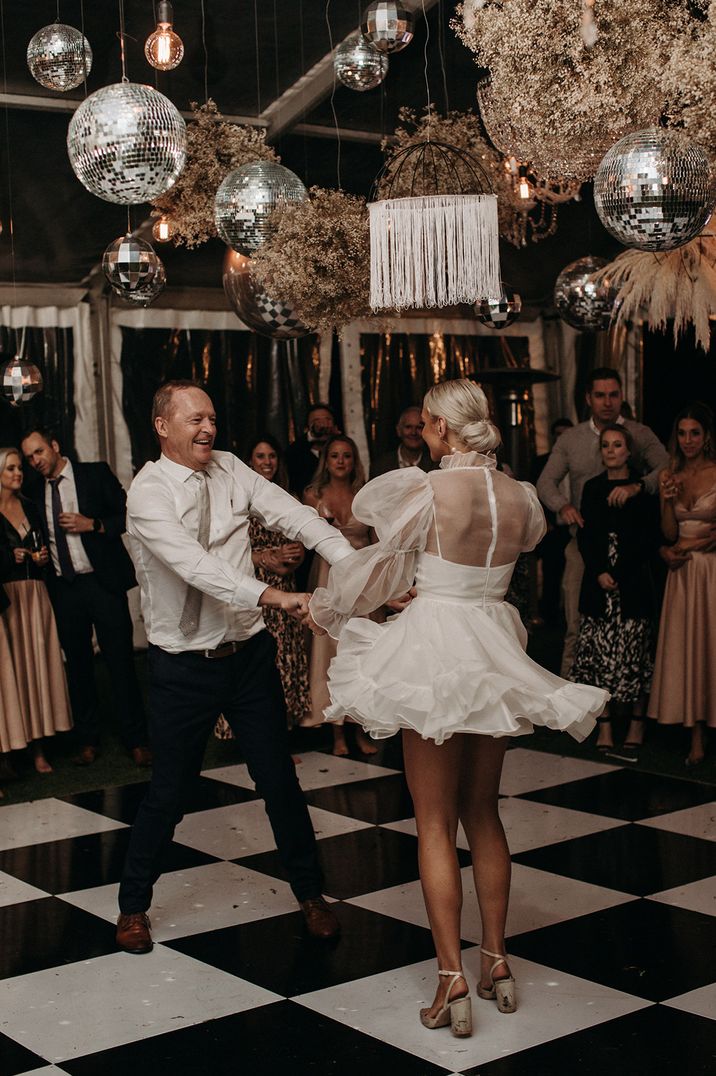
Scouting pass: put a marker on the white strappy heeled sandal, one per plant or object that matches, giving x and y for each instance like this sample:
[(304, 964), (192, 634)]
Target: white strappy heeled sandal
[(502, 990), (457, 1013)]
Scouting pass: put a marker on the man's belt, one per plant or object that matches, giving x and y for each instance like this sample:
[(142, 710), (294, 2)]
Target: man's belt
[(224, 650)]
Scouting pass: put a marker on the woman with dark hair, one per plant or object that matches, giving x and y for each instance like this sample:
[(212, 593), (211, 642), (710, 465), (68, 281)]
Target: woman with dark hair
[(613, 649), (338, 478), (684, 688), (275, 561)]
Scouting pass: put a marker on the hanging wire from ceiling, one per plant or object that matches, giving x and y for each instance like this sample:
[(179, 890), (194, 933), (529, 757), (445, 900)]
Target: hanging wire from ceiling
[(277, 65), (303, 92), (84, 39), (425, 66), (206, 52), (333, 99), (441, 50), (11, 220), (121, 35), (258, 60)]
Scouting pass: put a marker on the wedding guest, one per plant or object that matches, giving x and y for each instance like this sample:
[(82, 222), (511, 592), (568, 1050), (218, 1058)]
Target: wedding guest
[(302, 455), (684, 689), (576, 454), (613, 649), (339, 476), (410, 450), (34, 649)]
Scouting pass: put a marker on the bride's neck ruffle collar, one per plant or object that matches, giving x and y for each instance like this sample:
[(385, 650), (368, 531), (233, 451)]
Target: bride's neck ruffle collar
[(467, 459)]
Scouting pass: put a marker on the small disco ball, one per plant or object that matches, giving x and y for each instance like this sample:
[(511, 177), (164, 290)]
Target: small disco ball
[(360, 65), (59, 57), (130, 264), (500, 312), (257, 310), (127, 143), (21, 380), (388, 25), (246, 199), (145, 294), (653, 190), (581, 302)]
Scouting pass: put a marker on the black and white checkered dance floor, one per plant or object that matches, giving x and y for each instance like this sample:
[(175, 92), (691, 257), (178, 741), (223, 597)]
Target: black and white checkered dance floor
[(611, 933)]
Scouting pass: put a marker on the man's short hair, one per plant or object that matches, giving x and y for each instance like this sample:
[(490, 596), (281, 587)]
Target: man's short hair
[(162, 402), (603, 373), (321, 407), (47, 434)]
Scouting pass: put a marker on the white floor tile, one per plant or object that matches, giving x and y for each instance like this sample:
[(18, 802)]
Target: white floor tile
[(198, 900), (551, 1004), (13, 891), (696, 896), (243, 829), (52, 1070), (94, 1005), (526, 771), (314, 769), (701, 1002), (692, 822), (407, 825), (537, 899), (48, 820)]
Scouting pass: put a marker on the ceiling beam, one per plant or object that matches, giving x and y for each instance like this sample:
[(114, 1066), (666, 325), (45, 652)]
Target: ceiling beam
[(36, 103)]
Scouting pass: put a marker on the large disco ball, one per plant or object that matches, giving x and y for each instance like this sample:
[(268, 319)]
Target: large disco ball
[(247, 198), (653, 190), (360, 65), (21, 380), (59, 57), (500, 312), (257, 310), (130, 264), (388, 25), (580, 301), (145, 294), (127, 143)]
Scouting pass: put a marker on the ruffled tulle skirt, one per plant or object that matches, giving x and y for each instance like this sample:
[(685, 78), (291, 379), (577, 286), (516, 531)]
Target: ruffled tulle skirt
[(441, 667)]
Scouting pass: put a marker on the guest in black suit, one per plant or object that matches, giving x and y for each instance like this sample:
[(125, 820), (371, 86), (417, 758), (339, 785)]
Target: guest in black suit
[(410, 450), (302, 455), (83, 508)]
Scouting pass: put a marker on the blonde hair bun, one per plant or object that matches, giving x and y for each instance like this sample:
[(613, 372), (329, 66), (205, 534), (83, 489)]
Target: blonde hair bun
[(464, 407)]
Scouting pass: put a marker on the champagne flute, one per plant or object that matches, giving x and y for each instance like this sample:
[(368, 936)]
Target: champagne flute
[(37, 544)]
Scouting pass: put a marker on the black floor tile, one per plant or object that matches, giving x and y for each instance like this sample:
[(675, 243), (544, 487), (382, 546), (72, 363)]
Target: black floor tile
[(279, 955), (40, 934), (123, 802), (633, 859), (378, 800), (625, 794), (277, 1040), (656, 1041), (83, 862), (15, 1059), (644, 948)]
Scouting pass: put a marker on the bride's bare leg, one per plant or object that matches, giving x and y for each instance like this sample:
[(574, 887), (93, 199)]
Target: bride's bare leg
[(482, 758), (432, 773)]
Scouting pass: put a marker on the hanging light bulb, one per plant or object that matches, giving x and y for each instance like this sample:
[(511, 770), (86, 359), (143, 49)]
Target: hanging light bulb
[(163, 48), (162, 230)]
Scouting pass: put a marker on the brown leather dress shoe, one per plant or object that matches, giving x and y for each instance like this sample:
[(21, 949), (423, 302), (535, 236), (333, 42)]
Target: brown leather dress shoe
[(141, 756), (133, 933), (86, 755), (320, 920)]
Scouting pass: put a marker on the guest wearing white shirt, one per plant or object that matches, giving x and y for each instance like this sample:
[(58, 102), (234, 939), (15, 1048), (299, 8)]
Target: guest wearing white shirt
[(209, 652)]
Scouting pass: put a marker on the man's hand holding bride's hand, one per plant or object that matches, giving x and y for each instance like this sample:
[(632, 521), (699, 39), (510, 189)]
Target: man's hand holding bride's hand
[(398, 604), (295, 605)]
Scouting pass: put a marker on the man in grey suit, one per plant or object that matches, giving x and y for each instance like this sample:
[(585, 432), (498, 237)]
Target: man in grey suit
[(410, 451)]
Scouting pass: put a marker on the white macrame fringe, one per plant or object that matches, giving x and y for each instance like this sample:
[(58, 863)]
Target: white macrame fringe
[(438, 250)]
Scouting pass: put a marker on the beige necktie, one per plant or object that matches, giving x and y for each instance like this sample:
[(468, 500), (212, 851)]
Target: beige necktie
[(189, 621)]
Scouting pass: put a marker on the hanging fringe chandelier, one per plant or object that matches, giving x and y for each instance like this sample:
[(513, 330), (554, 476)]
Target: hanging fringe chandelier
[(439, 244)]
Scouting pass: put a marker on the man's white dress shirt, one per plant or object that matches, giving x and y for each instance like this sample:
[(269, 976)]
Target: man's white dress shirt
[(162, 528), (68, 497)]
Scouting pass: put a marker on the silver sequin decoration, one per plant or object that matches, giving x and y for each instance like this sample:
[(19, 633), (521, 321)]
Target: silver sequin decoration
[(388, 25), (59, 57), (145, 294), (247, 198), (21, 380), (501, 312), (579, 301), (127, 143), (360, 65), (130, 264), (653, 190), (257, 310)]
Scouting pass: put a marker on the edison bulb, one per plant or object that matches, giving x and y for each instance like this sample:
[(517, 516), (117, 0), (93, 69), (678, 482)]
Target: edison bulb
[(162, 230), (164, 48)]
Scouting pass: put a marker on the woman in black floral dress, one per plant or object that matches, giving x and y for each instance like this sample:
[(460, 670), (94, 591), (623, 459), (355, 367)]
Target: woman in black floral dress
[(276, 560), (614, 646)]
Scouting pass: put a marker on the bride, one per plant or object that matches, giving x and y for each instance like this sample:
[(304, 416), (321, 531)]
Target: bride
[(450, 671)]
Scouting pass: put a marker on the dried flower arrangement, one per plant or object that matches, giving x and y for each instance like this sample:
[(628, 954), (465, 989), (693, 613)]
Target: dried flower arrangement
[(689, 80), (214, 148), (678, 284), (318, 259)]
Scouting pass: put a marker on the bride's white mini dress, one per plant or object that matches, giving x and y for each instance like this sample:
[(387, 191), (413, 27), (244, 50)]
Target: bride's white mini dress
[(454, 660)]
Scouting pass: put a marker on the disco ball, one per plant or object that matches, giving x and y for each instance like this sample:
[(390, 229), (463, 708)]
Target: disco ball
[(500, 312), (130, 264), (59, 57), (247, 198), (257, 310), (145, 294), (653, 190), (388, 25), (360, 65), (127, 143), (581, 302), (21, 380)]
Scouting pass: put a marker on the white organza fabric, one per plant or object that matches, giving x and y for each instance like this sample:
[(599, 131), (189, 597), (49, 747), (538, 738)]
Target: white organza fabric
[(454, 660)]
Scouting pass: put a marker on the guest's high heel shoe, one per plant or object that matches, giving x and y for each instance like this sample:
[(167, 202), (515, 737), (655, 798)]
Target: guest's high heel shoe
[(502, 990), (457, 1013)]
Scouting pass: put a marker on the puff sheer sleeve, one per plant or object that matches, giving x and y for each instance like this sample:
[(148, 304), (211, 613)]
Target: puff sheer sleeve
[(399, 507)]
